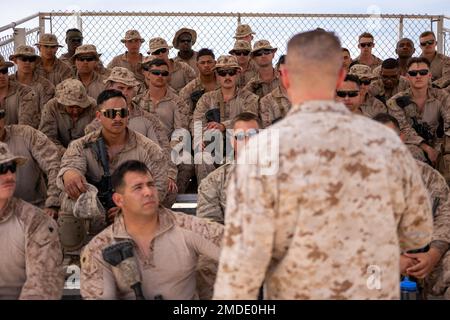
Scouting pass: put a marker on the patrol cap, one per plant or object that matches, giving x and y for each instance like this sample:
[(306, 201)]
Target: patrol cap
[(71, 92), (156, 44), (241, 45), (243, 30), (227, 62), (192, 32), (48, 39), (132, 35), (122, 75), (7, 156)]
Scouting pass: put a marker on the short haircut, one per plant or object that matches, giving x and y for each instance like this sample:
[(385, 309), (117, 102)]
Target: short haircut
[(427, 33), (418, 60), (365, 35), (352, 78), (106, 95), (405, 39), (205, 52), (247, 117), (281, 60), (389, 63), (386, 118), (117, 178), (346, 50), (156, 62), (73, 30)]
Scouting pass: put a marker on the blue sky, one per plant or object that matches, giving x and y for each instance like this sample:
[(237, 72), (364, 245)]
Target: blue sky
[(16, 10)]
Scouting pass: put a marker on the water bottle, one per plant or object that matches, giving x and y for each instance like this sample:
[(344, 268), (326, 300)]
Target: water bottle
[(408, 290)]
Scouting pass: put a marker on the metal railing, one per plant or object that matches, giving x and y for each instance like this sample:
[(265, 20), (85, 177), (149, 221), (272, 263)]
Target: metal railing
[(216, 30)]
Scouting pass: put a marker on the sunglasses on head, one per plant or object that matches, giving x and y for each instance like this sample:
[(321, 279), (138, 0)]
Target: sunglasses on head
[(28, 59), (159, 51), (241, 53), (259, 53), (240, 136), (4, 71), (366, 44), (113, 113), (427, 43), (224, 73), (350, 94), (8, 166), (88, 59), (422, 72)]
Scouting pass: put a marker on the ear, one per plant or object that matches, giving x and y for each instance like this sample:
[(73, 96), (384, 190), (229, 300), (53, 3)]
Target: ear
[(402, 136), (341, 76), (97, 115), (118, 199), (285, 78)]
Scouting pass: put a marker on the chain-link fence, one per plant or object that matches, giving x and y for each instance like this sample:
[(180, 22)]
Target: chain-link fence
[(446, 36), (216, 30)]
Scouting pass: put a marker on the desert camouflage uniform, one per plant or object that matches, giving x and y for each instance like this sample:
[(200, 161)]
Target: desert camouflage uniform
[(192, 62), (43, 89), (372, 106), (31, 255), (376, 89), (438, 282), (273, 106), (95, 87), (21, 105), (248, 74), (336, 211), (42, 165), (440, 66), (261, 88), (71, 63), (122, 61), (376, 62), (171, 275), (181, 75), (60, 72)]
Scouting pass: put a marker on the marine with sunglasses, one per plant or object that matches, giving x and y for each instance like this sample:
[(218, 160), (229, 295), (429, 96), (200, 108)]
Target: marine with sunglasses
[(267, 77), (18, 100), (241, 51), (420, 109), (183, 40), (390, 82), (365, 76), (180, 73), (30, 251), (25, 58), (439, 63), (227, 102), (366, 44)]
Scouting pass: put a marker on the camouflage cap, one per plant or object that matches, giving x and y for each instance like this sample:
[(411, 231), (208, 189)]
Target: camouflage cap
[(71, 92), (86, 49), (192, 32), (263, 44), (243, 30), (122, 75), (48, 39), (5, 64), (227, 62), (377, 71), (7, 156), (241, 45), (156, 44), (23, 51), (87, 205), (132, 35), (362, 71)]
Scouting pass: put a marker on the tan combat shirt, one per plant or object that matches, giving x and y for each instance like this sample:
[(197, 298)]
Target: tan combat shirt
[(60, 72), (169, 270), (440, 66), (21, 105), (319, 219), (122, 61), (95, 87), (261, 88), (31, 254), (192, 62), (274, 106), (181, 75)]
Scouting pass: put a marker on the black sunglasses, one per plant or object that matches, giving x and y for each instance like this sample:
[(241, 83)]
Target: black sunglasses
[(241, 53), (350, 94), (185, 41), (366, 82), (8, 166), (2, 114), (88, 59), (223, 73), (28, 59), (113, 113), (366, 44), (422, 72), (427, 43), (159, 51), (76, 39), (4, 71), (159, 73), (240, 136), (259, 53)]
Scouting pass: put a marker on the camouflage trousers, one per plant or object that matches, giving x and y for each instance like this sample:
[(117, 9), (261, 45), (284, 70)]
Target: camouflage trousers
[(438, 281), (206, 277)]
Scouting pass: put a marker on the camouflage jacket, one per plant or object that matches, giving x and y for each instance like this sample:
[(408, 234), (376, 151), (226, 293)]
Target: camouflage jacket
[(343, 197), (95, 87), (60, 72), (181, 75), (248, 74), (31, 254), (376, 62), (261, 88), (377, 90), (122, 61), (440, 66), (273, 106), (192, 62)]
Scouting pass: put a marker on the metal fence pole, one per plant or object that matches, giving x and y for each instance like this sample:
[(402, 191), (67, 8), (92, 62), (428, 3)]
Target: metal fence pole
[(440, 34), (19, 37), (42, 23), (400, 28)]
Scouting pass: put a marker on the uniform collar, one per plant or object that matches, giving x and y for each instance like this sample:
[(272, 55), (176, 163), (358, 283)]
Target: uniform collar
[(317, 106)]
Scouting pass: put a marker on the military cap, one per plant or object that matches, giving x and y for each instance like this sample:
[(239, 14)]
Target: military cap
[(86, 49), (241, 45), (243, 30), (7, 156), (227, 62), (192, 32), (362, 71), (71, 92), (23, 51), (5, 64), (263, 45), (122, 75), (132, 35), (48, 39), (156, 44)]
